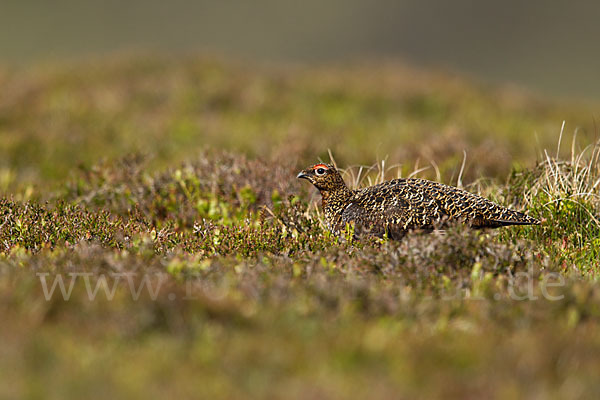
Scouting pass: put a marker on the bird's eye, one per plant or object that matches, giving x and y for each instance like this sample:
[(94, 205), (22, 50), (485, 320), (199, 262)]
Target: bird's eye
[(320, 171)]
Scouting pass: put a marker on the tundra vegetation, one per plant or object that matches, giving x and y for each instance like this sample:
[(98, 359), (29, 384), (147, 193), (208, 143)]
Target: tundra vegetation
[(162, 195)]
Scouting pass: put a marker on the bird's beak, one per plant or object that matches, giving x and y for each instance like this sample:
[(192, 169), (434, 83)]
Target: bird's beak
[(302, 175)]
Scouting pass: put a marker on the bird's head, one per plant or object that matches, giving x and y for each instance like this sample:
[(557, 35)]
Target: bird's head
[(324, 176)]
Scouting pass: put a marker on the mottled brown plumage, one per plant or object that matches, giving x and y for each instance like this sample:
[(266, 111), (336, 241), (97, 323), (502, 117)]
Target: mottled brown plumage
[(395, 207)]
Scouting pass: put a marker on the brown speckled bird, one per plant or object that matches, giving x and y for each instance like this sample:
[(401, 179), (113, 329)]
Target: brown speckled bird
[(395, 207)]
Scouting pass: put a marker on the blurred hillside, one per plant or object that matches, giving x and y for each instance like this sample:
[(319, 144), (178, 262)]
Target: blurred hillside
[(55, 119), (545, 45)]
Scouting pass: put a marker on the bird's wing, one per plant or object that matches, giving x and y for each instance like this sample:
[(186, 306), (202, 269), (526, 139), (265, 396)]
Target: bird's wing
[(392, 209), (475, 210), (405, 204)]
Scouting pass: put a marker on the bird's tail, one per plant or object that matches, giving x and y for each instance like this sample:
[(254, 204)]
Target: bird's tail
[(514, 218)]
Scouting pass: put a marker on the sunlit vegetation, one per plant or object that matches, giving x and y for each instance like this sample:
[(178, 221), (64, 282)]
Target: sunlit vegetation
[(165, 192)]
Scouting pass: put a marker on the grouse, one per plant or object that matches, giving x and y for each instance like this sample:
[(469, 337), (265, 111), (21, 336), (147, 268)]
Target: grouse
[(395, 207)]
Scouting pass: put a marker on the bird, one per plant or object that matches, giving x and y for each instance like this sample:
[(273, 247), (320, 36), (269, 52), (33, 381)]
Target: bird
[(393, 208)]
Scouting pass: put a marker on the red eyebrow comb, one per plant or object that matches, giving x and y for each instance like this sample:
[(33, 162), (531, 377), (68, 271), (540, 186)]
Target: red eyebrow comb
[(320, 166)]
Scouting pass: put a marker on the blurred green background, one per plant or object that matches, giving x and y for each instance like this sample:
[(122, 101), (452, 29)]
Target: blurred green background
[(548, 46)]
